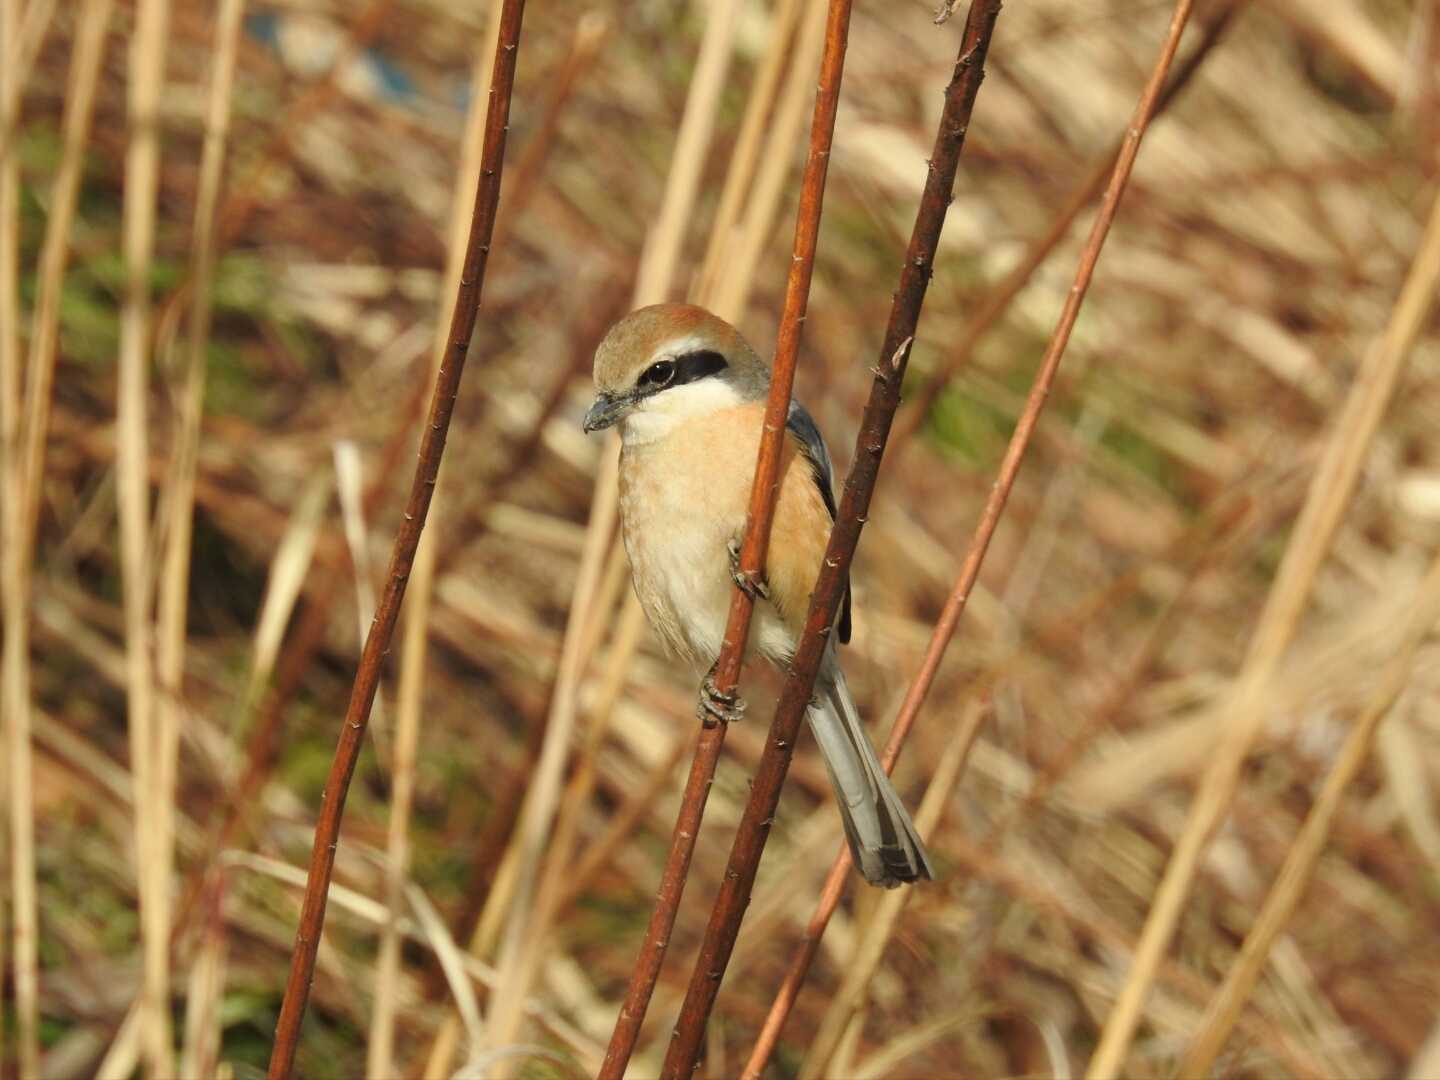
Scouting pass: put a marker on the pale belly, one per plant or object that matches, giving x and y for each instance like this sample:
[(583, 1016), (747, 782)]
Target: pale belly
[(677, 535)]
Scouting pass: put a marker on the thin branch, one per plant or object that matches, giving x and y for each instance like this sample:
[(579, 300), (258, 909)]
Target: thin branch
[(759, 518), (997, 301), (734, 894), (377, 643), (1039, 392)]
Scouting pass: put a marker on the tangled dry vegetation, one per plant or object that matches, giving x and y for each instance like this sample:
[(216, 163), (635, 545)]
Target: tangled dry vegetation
[(1276, 210)]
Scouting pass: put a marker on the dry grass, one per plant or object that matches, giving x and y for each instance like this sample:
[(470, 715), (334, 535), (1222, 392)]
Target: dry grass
[(1276, 210)]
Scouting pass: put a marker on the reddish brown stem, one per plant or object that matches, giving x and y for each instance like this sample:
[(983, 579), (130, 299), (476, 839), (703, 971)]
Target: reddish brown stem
[(377, 642), (994, 507), (752, 551), (998, 300), (749, 845), (1034, 405)]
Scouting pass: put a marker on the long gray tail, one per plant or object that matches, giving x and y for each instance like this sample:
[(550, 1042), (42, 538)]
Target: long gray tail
[(882, 837)]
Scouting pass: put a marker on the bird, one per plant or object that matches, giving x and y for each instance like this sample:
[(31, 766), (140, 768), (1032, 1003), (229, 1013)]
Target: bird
[(688, 394)]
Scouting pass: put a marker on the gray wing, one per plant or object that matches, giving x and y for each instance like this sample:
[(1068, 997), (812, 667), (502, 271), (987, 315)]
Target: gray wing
[(802, 425)]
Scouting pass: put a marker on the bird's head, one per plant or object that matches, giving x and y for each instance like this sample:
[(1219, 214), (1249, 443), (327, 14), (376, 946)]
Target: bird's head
[(661, 365)]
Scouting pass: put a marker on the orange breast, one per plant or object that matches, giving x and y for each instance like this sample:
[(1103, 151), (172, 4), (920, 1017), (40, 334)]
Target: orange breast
[(684, 497)]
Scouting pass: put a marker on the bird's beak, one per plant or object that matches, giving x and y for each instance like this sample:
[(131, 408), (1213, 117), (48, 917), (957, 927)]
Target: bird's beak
[(608, 410)]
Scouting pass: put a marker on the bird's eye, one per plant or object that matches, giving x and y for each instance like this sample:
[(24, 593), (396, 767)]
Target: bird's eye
[(659, 373)]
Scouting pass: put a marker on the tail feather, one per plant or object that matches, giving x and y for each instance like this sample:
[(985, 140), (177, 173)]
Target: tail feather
[(882, 838)]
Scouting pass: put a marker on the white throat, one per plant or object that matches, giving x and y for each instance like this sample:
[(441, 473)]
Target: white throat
[(657, 417)]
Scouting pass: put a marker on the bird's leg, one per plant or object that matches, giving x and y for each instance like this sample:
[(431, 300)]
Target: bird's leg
[(715, 705), (754, 586)]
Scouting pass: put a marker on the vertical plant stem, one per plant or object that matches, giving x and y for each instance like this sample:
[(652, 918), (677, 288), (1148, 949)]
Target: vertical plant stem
[(142, 176), (662, 246), (16, 660), (173, 600), (201, 1053), (377, 643), (759, 517), (736, 278), (24, 457), (746, 153), (21, 46), (734, 894), (86, 62), (1325, 505), (997, 301), (524, 939), (535, 817)]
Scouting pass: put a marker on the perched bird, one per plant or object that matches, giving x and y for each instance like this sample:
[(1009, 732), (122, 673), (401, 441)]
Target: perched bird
[(688, 394)]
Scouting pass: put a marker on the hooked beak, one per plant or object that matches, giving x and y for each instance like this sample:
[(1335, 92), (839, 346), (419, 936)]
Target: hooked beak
[(608, 410)]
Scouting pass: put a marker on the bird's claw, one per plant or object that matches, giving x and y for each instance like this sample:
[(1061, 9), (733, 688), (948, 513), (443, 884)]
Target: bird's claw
[(716, 706), (754, 586)]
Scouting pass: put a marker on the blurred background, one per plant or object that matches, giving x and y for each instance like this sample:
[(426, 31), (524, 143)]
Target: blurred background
[(187, 682)]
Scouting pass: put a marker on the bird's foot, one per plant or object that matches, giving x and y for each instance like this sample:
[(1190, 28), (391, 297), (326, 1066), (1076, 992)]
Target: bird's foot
[(752, 585), (717, 706)]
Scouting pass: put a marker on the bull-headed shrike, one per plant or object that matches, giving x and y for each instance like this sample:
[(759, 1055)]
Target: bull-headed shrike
[(688, 394)]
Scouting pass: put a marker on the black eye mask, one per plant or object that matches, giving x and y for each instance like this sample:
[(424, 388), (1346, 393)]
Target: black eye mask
[(689, 368), (692, 367)]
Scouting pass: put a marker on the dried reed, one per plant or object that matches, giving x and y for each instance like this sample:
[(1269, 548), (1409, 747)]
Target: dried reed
[(1254, 259), (142, 176), (16, 690), (24, 451)]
